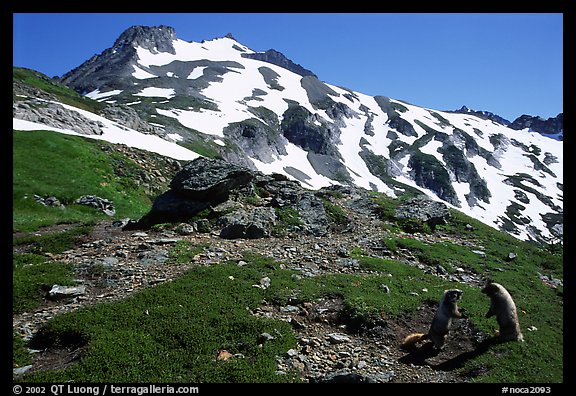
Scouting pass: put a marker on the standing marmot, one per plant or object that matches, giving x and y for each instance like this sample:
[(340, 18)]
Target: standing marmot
[(447, 310), (502, 305)]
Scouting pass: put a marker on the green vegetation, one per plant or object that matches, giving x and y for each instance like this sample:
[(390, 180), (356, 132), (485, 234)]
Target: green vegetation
[(174, 333), (56, 242), (183, 253), (61, 92), (67, 167), (161, 342), (32, 277), (204, 148), (335, 213), (288, 219), (21, 357)]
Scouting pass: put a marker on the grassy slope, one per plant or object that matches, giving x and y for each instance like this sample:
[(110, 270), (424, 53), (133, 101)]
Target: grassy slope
[(64, 94), (67, 167)]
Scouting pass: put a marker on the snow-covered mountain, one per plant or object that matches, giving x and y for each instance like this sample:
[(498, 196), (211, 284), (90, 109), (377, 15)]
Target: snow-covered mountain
[(261, 110)]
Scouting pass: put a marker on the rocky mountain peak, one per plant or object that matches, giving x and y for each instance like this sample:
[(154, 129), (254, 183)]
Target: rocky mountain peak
[(152, 38), (104, 70)]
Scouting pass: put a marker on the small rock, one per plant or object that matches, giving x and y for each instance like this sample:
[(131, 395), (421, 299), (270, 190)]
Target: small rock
[(58, 291), (337, 338)]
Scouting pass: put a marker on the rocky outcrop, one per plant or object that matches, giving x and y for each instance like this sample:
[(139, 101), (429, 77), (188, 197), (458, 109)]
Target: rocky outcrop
[(102, 204), (129, 118), (257, 140), (551, 126), (209, 179), (425, 210), (248, 224), (309, 132), (153, 38), (55, 115), (243, 202), (428, 172)]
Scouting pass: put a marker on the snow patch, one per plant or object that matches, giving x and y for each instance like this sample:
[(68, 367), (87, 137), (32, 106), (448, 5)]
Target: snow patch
[(96, 94), (142, 74), (196, 73), (157, 92), (115, 133)]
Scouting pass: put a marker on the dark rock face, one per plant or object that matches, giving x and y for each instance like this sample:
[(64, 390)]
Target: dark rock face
[(316, 90), (424, 209), (271, 78), (171, 207), (428, 172), (402, 126), (256, 139), (551, 126), (465, 171), (277, 58), (395, 121), (299, 127)]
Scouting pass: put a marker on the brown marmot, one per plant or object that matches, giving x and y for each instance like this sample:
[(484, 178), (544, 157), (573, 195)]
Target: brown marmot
[(438, 332), (502, 305)]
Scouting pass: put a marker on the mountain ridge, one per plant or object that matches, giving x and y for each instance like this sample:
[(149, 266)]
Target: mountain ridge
[(264, 116)]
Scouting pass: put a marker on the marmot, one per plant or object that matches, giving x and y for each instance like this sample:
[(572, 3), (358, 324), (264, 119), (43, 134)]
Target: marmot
[(447, 310), (502, 305)]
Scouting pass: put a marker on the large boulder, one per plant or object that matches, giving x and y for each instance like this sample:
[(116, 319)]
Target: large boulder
[(200, 184), (424, 209), (205, 179)]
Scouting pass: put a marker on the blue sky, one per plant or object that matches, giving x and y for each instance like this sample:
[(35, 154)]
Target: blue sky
[(509, 63)]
